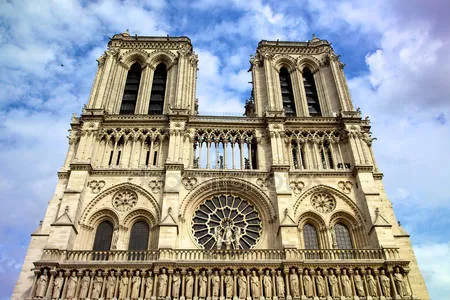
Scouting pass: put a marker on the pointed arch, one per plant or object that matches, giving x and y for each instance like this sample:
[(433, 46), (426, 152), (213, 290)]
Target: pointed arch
[(134, 56), (165, 57), (287, 93), (130, 93), (158, 93), (312, 97)]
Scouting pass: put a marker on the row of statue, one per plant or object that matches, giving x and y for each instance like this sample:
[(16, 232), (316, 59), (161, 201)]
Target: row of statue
[(217, 284)]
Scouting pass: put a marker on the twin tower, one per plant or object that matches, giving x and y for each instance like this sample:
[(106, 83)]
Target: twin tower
[(157, 202)]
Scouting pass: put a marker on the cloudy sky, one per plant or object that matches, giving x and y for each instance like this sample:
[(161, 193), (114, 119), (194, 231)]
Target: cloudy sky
[(398, 69)]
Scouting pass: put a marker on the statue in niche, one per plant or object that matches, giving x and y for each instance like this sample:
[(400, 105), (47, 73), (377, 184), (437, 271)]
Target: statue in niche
[(255, 285), (136, 285), (176, 283), (85, 285), (308, 284), (242, 283), (123, 287), (385, 283), (72, 285), (279, 280), (162, 284), (334, 284), (228, 285), (148, 285), (320, 283), (57, 285), (228, 236), (189, 285), (371, 285), (293, 279), (346, 284), (218, 237), (267, 282), (115, 238), (400, 283), (202, 285), (42, 285), (357, 279), (97, 286), (110, 285), (215, 284)]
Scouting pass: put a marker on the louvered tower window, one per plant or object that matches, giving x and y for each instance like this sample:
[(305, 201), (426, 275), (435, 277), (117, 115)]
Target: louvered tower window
[(311, 93), (287, 95), (131, 90), (103, 236), (310, 237), (343, 239), (158, 90), (139, 236)]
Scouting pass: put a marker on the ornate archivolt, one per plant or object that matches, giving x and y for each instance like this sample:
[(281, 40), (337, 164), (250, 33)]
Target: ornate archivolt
[(308, 61), (131, 56), (166, 57), (282, 60)]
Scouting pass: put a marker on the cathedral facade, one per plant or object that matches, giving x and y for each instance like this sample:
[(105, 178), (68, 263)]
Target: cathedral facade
[(157, 202)]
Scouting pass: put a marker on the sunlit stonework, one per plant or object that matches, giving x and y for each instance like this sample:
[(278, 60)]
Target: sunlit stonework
[(157, 202)]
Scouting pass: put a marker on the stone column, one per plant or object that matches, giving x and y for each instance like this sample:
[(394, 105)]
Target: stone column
[(155, 284), (196, 272), (222, 295), (49, 292), (183, 283), (169, 285), (66, 277), (287, 284)]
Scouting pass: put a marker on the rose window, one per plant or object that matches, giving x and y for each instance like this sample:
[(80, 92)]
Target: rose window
[(124, 200), (226, 222), (323, 202)]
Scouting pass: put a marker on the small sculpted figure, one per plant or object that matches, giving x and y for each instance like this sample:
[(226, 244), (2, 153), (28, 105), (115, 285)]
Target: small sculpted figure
[(242, 283), (57, 285), (215, 284), (371, 285), (308, 284), (346, 284), (176, 283), (42, 284), (189, 285), (385, 284), (293, 278), (162, 284), (148, 285), (72, 285), (334, 284), (136, 285), (400, 283), (320, 282), (255, 285), (267, 281), (97, 286), (202, 284), (358, 284), (123, 287), (110, 285), (280, 284), (228, 285)]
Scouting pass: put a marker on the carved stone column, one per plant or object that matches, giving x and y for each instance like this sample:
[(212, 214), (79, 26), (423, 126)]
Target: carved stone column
[(196, 273)]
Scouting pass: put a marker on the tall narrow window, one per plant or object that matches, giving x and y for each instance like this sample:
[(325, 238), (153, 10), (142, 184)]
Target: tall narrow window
[(139, 236), (131, 90), (103, 236), (343, 239), (158, 90), (287, 95), (310, 237), (311, 93)]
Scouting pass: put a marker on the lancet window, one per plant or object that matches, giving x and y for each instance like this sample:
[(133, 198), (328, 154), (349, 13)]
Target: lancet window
[(139, 236), (158, 90), (310, 237), (287, 95), (311, 93), (343, 238), (103, 236), (131, 90)]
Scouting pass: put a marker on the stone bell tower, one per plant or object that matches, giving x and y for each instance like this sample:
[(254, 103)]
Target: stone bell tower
[(156, 202)]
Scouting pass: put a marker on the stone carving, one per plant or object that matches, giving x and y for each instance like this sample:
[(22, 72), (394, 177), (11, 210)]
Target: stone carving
[(385, 284), (97, 286), (189, 285), (162, 284), (71, 285), (115, 238), (215, 284), (124, 200), (371, 285), (242, 284), (57, 285), (320, 283), (148, 285), (345, 186), (357, 279), (294, 284), (296, 186), (136, 285), (176, 283), (110, 285), (334, 284), (400, 283), (189, 182), (323, 202), (280, 284), (96, 185), (228, 285), (308, 284), (263, 183), (42, 284), (346, 284), (202, 285), (123, 286), (155, 186), (255, 285), (85, 281), (267, 282)]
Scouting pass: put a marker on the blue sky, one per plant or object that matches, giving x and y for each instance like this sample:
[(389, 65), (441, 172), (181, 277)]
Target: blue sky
[(398, 70)]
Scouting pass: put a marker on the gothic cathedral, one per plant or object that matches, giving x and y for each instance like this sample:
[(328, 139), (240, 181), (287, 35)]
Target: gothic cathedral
[(156, 202)]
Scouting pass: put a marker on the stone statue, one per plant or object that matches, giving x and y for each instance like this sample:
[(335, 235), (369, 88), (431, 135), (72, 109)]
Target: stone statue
[(203, 285), (293, 280), (85, 285), (72, 285), (215, 284), (115, 238), (189, 285), (148, 285), (237, 237), (255, 286), (346, 284), (308, 284), (162, 284), (57, 285), (42, 284), (267, 282), (399, 283), (359, 287), (334, 284), (320, 283), (97, 286), (228, 236), (176, 283), (371, 285), (218, 237), (123, 287), (110, 285), (136, 285), (242, 283), (280, 284), (385, 284), (228, 285)]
